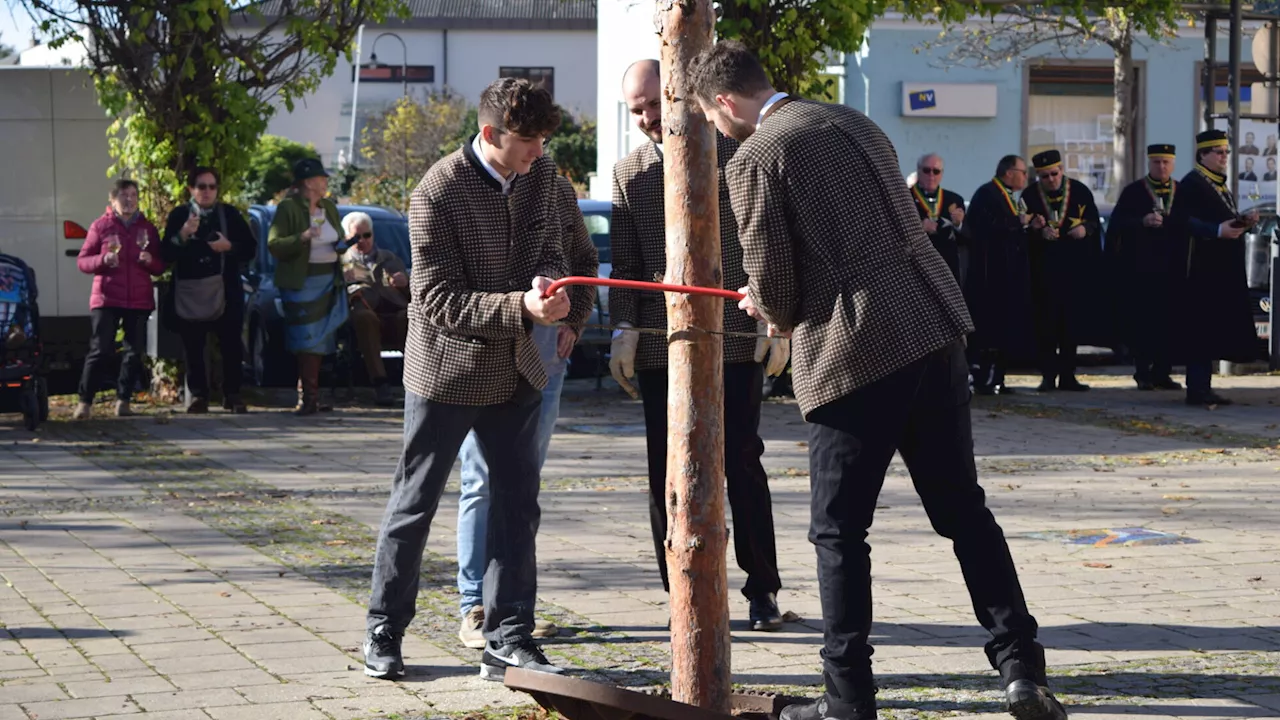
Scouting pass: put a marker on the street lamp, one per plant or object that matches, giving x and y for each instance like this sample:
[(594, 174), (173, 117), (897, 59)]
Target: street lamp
[(404, 91)]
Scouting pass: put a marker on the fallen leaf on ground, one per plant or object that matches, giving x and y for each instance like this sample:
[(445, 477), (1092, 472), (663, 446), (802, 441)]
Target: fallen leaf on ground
[(336, 542), (224, 593), (1178, 498), (1146, 461), (1169, 511), (326, 521), (1256, 579), (193, 453), (1100, 565), (1213, 451)]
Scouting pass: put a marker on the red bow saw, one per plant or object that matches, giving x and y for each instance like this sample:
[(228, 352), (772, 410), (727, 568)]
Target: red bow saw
[(640, 285), (652, 287)]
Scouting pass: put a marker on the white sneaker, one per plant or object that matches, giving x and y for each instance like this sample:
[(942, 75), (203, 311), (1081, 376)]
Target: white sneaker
[(471, 633), (83, 411)]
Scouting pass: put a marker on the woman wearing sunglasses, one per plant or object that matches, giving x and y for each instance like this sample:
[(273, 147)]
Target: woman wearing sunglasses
[(207, 241)]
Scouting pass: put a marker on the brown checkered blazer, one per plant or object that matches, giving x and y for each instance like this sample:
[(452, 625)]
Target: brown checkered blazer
[(835, 251), (638, 240), (475, 253), (579, 252)]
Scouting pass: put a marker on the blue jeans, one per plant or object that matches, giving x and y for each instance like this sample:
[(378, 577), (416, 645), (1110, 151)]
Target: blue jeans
[(473, 502)]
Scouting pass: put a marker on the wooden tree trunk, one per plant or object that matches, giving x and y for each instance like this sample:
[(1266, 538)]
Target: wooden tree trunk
[(1123, 110), (697, 537)]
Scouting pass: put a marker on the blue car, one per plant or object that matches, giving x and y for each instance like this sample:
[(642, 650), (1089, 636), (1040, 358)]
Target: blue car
[(268, 362)]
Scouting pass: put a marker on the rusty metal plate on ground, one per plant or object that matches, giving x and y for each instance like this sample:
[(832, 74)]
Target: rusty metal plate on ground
[(578, 699), (1113, 537)]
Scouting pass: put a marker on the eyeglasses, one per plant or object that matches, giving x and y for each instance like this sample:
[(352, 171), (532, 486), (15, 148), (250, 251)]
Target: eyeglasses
[(206, 186), (931, 171), (364, 236)]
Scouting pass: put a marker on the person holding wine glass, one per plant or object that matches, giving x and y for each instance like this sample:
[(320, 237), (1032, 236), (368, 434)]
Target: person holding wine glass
[(306, 239), (119, 251), (207, 240)]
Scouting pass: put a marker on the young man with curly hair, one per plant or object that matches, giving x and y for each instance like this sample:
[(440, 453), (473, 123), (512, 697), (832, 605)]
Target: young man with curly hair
[(484, 233)]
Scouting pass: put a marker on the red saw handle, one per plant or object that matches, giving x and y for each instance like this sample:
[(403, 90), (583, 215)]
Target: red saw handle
[(640, 285)]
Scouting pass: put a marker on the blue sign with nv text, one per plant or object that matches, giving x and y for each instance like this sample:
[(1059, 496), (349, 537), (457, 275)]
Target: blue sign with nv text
[(923, 100)]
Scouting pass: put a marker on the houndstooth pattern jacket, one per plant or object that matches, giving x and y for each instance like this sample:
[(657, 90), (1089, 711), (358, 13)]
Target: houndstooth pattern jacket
[(834, 249), (580, 253), (475, 253), (638, 241)]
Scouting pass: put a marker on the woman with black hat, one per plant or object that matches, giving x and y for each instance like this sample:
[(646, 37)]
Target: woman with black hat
[(306, 241)]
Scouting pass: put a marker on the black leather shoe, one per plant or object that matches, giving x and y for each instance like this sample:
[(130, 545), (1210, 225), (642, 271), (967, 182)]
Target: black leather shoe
[(1003, 389), (823, 708), (1071, 384), (1166, 383), (764, 614), (1029, 701), (1047, 384), (1146, 385), (984, 390), (1206, 398), (382, 658)]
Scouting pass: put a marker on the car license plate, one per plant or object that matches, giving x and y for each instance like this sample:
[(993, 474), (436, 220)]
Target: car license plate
[(1263, 329)]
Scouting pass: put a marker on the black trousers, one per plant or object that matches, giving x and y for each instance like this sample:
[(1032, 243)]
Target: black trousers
[(749, 497), (922, 412), (103, 323), (433, 435), (989, 369), (1054, 344), (195, 338)]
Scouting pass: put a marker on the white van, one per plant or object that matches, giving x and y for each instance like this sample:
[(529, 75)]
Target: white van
[(54, 142)]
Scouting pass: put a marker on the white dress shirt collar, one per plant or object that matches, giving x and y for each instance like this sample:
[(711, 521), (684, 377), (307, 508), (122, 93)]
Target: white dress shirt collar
[(476, 147), (769, 104)]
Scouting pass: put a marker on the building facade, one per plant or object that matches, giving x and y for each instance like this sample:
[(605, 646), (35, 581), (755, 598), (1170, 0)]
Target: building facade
[(459, 45), (974, 116)]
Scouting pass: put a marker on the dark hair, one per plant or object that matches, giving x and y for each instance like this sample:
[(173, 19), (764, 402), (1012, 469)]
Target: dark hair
[(518, 107), (121, 185), (1201, 152), (1007, 163), (196, 172), (726, 67)]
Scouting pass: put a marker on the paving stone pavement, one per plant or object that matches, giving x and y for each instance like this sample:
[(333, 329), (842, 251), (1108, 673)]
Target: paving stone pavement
[(216, 567)]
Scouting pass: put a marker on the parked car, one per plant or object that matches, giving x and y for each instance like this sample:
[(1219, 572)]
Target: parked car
[(267, 361), (590, 356)]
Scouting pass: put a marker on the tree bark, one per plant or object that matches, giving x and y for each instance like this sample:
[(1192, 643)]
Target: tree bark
[(1123, 113), (697, 537)]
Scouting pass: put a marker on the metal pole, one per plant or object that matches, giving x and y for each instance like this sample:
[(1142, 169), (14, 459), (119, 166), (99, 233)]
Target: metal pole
[(1209, 83), (1233, 71), (355, 97), (697, 537)]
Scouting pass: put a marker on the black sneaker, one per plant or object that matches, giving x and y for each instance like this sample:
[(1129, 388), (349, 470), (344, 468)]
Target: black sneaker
[(524, 655), (1029, 701), (1206, 397), (382, 658), (764, 614), (1166, 383), (824, 709)]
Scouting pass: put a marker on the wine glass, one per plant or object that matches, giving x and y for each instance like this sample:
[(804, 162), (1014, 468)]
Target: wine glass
[(143, 240)]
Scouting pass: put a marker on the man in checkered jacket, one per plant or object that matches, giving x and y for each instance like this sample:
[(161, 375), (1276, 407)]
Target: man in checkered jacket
[(637, 238), (485, 237), (836, 256)]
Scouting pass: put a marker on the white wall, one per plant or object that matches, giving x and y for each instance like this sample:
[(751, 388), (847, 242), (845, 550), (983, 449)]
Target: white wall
[(474, 56), (625, 33)]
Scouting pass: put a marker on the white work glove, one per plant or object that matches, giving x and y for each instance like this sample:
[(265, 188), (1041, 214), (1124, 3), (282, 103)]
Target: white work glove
[(777, 348), (622, 358)]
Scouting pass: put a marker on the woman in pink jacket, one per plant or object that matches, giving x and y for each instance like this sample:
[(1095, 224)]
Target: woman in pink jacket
[(122, 252)]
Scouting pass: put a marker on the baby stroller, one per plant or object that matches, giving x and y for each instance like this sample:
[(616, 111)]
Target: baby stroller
[(22, 385)]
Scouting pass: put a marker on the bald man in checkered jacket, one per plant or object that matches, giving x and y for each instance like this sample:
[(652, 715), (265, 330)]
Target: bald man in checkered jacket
[(836, 256), (637, 239), (485, 233)]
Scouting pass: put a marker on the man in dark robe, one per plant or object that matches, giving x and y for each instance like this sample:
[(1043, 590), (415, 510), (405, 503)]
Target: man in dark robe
[(1218, 323), (1066, 258), (997, 285), (941, 211), (1147, 258)]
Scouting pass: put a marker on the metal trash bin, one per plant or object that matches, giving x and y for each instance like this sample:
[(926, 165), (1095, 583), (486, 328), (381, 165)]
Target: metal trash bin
[(1257, 259)]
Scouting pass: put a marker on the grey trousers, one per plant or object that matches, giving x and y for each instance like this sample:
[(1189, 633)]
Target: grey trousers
[(433, 433)]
